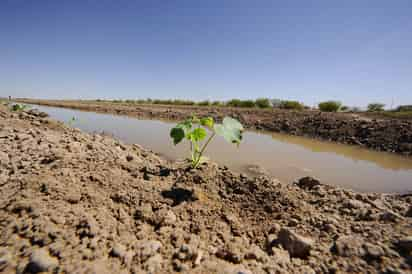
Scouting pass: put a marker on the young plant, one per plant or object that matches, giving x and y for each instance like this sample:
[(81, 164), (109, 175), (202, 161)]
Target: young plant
[(194, 130), (18, 107), (71, 121)]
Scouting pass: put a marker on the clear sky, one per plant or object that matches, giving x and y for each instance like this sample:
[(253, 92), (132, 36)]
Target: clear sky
[(356, 51)]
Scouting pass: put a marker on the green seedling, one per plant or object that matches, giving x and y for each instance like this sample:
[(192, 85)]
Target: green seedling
[(18, 107), (194, 130), (71, 121)]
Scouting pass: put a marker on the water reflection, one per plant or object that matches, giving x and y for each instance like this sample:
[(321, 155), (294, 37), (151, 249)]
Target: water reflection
[(383, 159)]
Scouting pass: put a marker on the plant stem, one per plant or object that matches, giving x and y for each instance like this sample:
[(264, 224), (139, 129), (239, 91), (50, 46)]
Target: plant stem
[(199, 156)]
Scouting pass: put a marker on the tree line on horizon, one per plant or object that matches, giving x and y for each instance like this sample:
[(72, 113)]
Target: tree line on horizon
[(265, 103)]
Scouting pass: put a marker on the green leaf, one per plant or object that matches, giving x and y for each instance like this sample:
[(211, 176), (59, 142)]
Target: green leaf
[(186, 126), (198, 134), (230, 129), (177, 133), (207, 122)]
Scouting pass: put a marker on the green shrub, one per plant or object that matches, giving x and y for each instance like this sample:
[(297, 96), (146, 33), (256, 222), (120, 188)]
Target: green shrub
[(263, 103), (330, 106), (344, 108), (234, 103), (217, 103), (404, 108), (204, 103), (373, 107), (291, 105), (247, 104)]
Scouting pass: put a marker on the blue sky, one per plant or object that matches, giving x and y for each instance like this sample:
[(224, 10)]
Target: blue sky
[(354, 51)]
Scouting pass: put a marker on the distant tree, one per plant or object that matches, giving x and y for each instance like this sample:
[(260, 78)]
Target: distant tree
[(234, 103), (204, 103), (330, 106), (344, 108), (404, 108), (263, 103), (247, 104), (375, 107), (291, 105)]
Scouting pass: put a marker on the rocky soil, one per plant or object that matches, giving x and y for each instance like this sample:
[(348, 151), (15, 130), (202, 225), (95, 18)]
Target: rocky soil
[(71, 202), (392, 135)]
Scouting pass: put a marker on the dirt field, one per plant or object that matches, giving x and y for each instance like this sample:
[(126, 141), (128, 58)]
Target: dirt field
[(393, 135), (71, 202)]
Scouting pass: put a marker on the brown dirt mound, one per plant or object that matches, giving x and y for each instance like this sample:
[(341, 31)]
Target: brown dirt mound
[(71, 202)]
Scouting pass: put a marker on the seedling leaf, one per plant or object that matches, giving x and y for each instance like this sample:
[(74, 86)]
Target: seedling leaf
[(198, 134), (231, 130), (207, 122), (177, 133)]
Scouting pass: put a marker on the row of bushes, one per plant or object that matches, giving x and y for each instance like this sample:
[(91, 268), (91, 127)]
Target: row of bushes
[(259, 103), (327, 106)]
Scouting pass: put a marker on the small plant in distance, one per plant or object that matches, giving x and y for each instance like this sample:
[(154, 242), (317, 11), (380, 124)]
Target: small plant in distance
[(71, 121), (194, 130), (374, 107), (18, 107), (330, 106)]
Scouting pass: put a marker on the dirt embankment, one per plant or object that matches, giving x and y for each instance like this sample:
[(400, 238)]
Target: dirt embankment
[(392, 135), (71, 202)]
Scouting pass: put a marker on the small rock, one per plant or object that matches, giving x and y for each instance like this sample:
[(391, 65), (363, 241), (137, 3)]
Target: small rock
[(41, 261), (5, 259), (390, 216), (144, 213), (73, 197), (353, 204), (297, 245), (118, 250), (231, 254), (36, 123), (307, 183), (154, 264), (271, 238), (347, 246), (373, 251), (198, 258), (164, 172), (149, 248), (280, 256), (146, 176), (257, 254), (165, 218), (129, 158)]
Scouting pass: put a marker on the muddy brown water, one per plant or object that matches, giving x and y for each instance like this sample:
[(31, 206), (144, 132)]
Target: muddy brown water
[(283, 156)]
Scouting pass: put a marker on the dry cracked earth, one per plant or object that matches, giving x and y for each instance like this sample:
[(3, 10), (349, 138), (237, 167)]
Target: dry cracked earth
[(72, 202)]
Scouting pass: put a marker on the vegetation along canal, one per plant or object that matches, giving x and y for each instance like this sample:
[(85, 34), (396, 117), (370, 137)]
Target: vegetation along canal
[(282, 156)]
